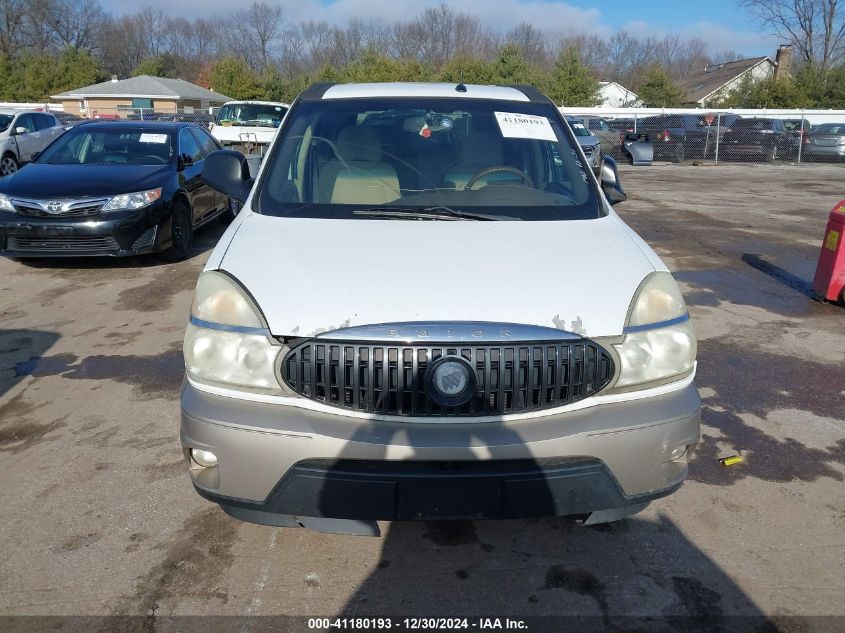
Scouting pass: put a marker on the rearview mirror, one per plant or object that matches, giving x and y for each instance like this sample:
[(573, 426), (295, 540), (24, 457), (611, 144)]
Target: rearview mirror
[(227, 171), (21, 130), (610, 184)]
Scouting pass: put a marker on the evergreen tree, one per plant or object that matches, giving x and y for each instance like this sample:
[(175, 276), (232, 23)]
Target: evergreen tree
[(570, 83), (159, 66), (470, 70), (657, 90), (232, 77)]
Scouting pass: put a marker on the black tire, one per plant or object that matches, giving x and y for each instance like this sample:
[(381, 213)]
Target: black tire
[(181, 234), (8, 164), (679, 153)]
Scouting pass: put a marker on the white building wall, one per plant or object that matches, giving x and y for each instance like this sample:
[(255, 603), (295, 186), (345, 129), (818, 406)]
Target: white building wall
[(615, 96)]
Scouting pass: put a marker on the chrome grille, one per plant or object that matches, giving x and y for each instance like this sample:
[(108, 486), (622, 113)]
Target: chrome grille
[(391, 379), (58, 208)]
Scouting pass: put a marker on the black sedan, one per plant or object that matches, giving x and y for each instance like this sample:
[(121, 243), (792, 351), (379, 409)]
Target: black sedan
[(111, 188)]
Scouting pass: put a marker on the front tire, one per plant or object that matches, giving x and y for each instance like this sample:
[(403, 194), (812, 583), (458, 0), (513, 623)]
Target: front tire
[(181, 234), (8, 164)]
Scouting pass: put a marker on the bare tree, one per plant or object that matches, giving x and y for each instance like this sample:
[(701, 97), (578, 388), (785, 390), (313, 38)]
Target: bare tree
[(75, 23), (257, 31), (531, 41), (12, 15), (816, 28)]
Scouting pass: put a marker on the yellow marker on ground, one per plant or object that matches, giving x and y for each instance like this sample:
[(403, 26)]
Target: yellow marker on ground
[(730, 461)]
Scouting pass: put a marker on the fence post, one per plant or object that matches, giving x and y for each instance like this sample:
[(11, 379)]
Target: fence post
[(635, 122), (801, 137), (718, 126)]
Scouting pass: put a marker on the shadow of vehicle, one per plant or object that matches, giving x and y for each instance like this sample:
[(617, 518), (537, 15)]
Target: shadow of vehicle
[(631, 575), (634, 574), (18, 345)]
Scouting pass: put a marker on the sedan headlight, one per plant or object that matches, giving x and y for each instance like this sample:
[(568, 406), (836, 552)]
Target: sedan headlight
[(5, 203), (132, 201), (659, 344), (227, 341)]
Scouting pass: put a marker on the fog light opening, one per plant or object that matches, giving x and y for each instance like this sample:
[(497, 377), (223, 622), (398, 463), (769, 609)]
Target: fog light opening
[(204, 459)]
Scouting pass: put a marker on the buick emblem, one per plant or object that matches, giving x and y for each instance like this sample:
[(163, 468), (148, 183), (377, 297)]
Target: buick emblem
[(451, 381), (53, 206)]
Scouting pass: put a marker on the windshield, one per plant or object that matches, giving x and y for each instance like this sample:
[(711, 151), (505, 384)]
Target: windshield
[(830, 128), (253, 114), (5, 121), (753, 124), (350, 158), (578, 127), (93, 145)]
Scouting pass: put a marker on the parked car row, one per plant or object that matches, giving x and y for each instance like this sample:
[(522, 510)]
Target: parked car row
[(679, 137)]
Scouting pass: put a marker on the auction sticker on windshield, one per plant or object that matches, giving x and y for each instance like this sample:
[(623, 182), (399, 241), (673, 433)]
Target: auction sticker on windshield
[(153, 138), (514, 125)]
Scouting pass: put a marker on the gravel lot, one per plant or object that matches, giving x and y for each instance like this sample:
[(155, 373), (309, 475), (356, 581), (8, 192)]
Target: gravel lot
[(99, 518)]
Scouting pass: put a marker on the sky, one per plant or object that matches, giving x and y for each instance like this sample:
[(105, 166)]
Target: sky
[(721, 23)]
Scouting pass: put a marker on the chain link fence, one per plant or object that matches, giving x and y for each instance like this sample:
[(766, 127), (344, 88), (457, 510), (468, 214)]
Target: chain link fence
[(721, 136)]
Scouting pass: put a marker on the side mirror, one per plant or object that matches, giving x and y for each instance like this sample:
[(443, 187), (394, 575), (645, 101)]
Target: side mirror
[(610, 184), (21, 130), (227, 171), (35, 155)]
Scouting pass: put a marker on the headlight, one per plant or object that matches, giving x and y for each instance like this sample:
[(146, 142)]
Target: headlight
[(659, 344), (132, 201), (5, 203), (227, 341)]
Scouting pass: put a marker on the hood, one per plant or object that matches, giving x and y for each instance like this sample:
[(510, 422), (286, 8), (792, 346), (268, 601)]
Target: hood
[(310, 275), (40, 180)]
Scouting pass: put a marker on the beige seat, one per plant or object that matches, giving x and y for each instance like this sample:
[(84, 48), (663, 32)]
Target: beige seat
[(357, 174), (479, 151)]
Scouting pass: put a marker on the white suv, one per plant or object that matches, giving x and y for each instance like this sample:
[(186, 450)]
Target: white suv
[(428, 309), (22, 134)]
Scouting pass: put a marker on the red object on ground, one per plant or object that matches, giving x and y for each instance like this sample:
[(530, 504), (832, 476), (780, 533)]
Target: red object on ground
[(829, 282)]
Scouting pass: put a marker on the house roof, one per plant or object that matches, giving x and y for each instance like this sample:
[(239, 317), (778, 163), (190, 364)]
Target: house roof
[(146, 87), (705, 81)]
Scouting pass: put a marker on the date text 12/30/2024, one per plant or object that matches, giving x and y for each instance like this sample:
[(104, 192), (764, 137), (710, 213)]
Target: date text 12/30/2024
[(416, 624)]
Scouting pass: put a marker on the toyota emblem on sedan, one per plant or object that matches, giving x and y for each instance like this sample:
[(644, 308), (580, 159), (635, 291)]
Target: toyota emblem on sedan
[(54, 206)]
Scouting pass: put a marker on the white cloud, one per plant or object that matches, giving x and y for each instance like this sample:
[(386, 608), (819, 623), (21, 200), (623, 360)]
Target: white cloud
[(718, 37)]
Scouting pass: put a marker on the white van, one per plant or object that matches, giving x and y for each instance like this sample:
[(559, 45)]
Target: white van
[(428, 309)]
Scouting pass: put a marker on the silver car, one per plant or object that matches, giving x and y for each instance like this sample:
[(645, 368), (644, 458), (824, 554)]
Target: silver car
[(826, 141), (588, 141), (24, 134)]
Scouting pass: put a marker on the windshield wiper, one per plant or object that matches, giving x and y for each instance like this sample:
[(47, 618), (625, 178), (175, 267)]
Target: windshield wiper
[(428, 213)]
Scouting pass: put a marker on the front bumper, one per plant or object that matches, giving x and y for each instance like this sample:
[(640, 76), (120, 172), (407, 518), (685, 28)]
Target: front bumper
[(828, 151), (119, 233), (283, 460)]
